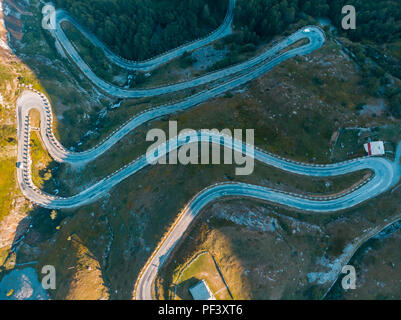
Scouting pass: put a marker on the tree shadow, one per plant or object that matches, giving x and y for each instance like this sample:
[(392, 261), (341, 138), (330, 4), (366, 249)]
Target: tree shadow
[(181, 290)]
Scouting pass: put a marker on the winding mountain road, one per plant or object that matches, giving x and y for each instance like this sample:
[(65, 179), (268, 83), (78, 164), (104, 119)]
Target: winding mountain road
[(254, 70), (386, 173), (155, 62), (315, 37)]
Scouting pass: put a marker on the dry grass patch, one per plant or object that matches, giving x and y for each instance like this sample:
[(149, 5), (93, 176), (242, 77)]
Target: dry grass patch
[(201, 267)]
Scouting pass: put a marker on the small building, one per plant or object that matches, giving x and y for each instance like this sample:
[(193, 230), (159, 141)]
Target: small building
[(375, 148), (201, 291)]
